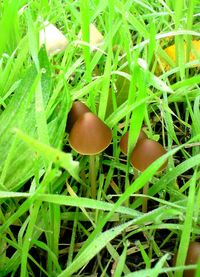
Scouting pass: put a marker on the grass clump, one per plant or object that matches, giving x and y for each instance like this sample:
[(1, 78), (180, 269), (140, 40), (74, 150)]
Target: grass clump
[(49, 224)]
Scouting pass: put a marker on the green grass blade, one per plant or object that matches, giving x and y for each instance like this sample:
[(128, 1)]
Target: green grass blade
[(53, 155), (185, 236)]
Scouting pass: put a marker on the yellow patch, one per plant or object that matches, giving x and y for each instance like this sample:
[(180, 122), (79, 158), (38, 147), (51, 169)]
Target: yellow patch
[(194, 54)]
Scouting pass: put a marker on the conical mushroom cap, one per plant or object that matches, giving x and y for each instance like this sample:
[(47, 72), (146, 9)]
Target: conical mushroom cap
[(96, 37), (54, 40), (124, 141), (89, 135), (145, 153), (78, 109)]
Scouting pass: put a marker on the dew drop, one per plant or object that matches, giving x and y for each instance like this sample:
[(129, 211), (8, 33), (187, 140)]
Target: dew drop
[(43, 70), (40, 19), (126, 15), (5, 55), (169, 257)]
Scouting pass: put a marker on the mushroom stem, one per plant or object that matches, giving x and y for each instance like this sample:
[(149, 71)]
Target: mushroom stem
[(145, 200), (92, 176)]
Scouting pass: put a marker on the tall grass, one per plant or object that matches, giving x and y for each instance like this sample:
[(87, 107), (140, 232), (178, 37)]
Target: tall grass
[(49, 224)]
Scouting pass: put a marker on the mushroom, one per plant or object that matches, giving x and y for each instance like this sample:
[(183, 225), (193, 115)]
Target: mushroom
[(124, 141), (96, 37), (78, 109), (145, 152), (193, 256), (90, 136), (53, 39), (143, 155)]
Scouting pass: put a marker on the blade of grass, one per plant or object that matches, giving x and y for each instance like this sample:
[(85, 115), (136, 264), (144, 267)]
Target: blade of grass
[(9, 26), (187, 230), (100, 241), (58, 157), (28, 237), (121, 262), (85, 27), (139, 183), (32, 36), (169, 177)]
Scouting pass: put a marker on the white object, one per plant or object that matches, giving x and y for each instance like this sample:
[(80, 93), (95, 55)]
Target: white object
[(96, 37), (54, 40)]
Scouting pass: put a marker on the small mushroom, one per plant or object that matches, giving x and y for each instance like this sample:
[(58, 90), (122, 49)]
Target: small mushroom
[(90, 136), (145, 153), (53, 39), (96, 37), (193, 256), (78, 109), (124, 141)]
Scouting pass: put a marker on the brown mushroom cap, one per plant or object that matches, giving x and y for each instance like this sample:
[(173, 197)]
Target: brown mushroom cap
[(78, 109), (89, 135), (145, 153), (124, 141), (193, 256)]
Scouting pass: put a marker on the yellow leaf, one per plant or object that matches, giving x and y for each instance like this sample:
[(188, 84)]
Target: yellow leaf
[(194, 54)]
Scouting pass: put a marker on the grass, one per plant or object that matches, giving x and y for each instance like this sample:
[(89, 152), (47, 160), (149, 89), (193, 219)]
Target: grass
[(49, 224)]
